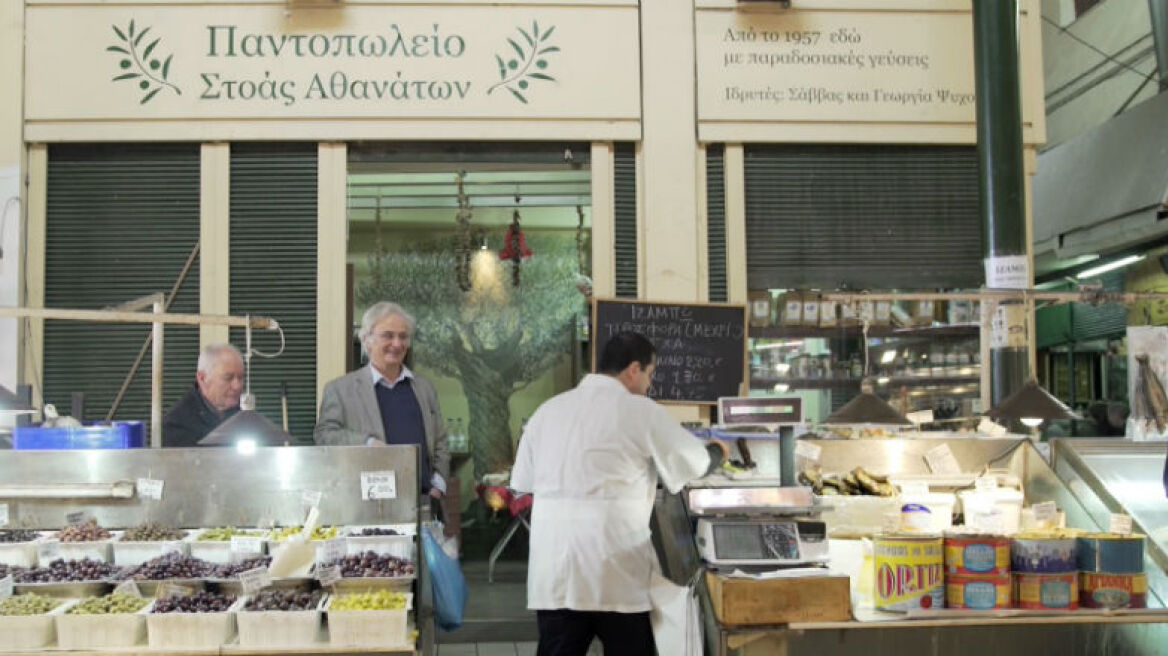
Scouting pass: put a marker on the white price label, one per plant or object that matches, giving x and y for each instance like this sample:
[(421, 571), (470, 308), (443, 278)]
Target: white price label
[(247, 544), (379, 485), (330, 551), (805, 449), (75, 518), (920, 417), (6, 586), (1045, 514), (47, 551), (991, 428), (914, 488), (941, 460), (254, 580), (3, 514), (1121, 524), (150, 488), (1007, 272), (310, 498), (328, 575), (128, 589), (986, 483), (168, 590)]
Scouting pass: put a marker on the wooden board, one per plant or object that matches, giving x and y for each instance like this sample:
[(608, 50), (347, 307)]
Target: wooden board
[(749, 602)]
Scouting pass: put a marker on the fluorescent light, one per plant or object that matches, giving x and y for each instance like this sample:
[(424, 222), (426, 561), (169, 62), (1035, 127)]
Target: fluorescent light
[(1110, 266), (888, 356), (782, 387), (1032, 422), (883, 380), (782, 367)]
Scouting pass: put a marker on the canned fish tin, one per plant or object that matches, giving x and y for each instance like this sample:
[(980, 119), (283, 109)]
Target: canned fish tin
[(977, 555), (1113, 590), (1046, 591), (1110, 553), (909, 572), (977, 592), (1043, 555)]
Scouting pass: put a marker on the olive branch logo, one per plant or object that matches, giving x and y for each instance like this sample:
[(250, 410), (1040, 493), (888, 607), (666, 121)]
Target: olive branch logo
[(151, 72), (516, 73)]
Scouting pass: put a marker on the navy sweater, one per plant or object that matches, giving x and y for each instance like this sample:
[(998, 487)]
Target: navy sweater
[(402, 418)]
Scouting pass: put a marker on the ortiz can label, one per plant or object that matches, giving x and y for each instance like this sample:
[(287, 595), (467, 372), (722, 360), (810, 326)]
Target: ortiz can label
[(977, 555), (909, 572), (1113, 590), (977, 593), (1046, 591)]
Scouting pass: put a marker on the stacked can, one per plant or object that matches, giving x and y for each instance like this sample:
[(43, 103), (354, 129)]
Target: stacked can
[(909, 572), (977, 570), (1045, 572), (1111, 571)]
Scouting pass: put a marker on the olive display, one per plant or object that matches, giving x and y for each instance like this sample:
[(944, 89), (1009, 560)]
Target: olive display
[(9, 536), (152, 532), (318, 533), (232, 570), (170, 566), (371, 564), (86, 532), (28, 604), (224, 534), (61, 570), (380, 600), (199, 602), (284, 600), (366, 532), (112, 604)]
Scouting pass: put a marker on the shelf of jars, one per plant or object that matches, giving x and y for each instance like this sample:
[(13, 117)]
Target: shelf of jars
[(961, 330), (891, 382)]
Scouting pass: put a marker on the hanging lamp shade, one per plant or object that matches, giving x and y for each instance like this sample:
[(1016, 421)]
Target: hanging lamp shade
[(866, 408), (247, 426), (12, 404), (1032, 405)]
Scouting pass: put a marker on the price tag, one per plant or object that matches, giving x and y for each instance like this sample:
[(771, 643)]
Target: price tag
[(150, 488), (987, 483), (310, 498), (1045, 514), (168, 590), (3, 514), (920, 417), (805, 449), (914, 488), (254, 580), (990, 428), (6, 586), (330, 551), (941, 460), (48, 551), (1121, 524), (379, 485), (328, 575), (76, 518), (128, 588), (247, 544)]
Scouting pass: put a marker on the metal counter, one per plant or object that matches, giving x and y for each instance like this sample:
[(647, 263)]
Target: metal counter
[(1070, 635)]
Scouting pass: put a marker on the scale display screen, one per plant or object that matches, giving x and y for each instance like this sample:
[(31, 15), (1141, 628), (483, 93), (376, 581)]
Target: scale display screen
[(756, 541)]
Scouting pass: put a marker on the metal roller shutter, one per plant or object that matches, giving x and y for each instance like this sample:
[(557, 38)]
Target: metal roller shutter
[(121, 221), (716, 221), (1102, 321), (273, 272), (862, 217), (625, 219)]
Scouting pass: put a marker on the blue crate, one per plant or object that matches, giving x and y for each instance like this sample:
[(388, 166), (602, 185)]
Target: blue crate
[(119, 435)]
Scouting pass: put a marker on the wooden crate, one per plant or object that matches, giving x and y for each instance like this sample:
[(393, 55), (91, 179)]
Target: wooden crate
[(747, 602)]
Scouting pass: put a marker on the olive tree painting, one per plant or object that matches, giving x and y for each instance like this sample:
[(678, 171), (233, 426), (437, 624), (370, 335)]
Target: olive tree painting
[(494, 338)]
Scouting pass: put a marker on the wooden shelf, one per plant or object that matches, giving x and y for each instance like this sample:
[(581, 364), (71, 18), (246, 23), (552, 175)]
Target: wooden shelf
[(961, 330), (843, 383)]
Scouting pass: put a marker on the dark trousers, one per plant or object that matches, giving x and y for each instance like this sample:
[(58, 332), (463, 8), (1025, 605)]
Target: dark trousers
[(565, 632)]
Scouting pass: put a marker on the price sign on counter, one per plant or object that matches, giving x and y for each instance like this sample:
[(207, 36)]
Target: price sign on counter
[(328, 575), (50, 550), (254, 580), (1045, 514), (805, 449), (1121, 524), (310, 498), (920, 417), (247, 544), (330, 551), (76, 518), (128, 589), (3, 514), (150, 488), (987, 483), (379, 485), (990, 428), (941, 460), (6, 586), (168, 590)]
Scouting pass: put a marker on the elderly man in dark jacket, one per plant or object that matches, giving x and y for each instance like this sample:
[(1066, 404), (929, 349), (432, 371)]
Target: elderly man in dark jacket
[(213, 398)]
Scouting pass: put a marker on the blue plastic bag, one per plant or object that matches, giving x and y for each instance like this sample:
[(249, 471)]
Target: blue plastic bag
[(448, 584)]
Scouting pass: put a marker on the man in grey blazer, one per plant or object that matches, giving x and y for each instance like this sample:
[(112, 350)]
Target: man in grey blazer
[(385, 402)]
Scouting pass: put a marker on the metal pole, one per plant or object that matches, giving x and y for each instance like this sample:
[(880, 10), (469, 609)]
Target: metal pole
[(1158, 13), (1002, 188), (156, 381)]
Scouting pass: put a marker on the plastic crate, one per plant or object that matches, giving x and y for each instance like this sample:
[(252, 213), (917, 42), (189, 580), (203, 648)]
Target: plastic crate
[(31, 631), (102, 631), (279, 628), (119, 435), (369, 628)]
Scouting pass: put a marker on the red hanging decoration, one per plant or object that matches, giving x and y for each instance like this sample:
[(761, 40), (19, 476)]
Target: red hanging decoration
[(510, 250)]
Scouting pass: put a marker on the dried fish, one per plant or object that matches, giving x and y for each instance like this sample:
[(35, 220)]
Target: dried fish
[(1157, 402)]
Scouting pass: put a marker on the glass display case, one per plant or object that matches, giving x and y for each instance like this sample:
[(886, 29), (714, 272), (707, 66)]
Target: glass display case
[(1120, 476)]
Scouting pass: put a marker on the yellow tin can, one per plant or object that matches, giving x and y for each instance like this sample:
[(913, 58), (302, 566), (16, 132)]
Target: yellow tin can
[(909, 572)]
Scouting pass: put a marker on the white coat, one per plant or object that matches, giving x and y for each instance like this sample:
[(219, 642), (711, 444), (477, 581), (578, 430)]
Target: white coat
[(591, 457)]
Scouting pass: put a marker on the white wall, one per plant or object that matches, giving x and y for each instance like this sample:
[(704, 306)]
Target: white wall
[(11, 157)]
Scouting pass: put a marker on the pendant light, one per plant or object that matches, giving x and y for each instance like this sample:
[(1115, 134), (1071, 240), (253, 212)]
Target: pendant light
[(1032, 405), (867, 408)]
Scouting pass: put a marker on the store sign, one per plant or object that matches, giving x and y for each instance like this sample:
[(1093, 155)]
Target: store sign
[(264, 62)]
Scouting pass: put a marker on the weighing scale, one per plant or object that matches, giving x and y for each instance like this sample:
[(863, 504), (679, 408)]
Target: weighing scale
[(763, 527)]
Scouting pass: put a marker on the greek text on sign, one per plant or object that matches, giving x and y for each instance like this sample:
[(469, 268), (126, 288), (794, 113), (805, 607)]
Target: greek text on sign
[(47, 551), (150, 488), (379, 485), (254, 580), (328, 575), (805, 449), (168, 590), (1120, 524), (330, 551), (78, 517), (247, 544), (987, 483), (1007, 272), (1045, 514), (941, 460)]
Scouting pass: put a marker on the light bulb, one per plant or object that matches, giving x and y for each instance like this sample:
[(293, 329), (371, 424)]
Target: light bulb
[(246, 446), (782, 387), (1032, 422), (888, 356), (883, 380)]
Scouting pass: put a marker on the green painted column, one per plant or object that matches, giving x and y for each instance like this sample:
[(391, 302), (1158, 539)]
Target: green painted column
[(1000, 172)]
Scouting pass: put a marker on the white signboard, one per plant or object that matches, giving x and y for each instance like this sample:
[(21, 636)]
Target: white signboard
[(378, 485)]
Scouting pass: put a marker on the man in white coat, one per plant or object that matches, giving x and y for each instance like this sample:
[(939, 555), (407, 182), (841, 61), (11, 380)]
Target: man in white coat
[(592, 458)]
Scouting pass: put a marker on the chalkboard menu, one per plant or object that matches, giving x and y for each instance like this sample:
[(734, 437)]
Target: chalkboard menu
[(701, 348)]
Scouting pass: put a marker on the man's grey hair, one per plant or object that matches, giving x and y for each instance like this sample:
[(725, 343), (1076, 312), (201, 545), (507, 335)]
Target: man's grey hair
[(210, 354), (377, 313)]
